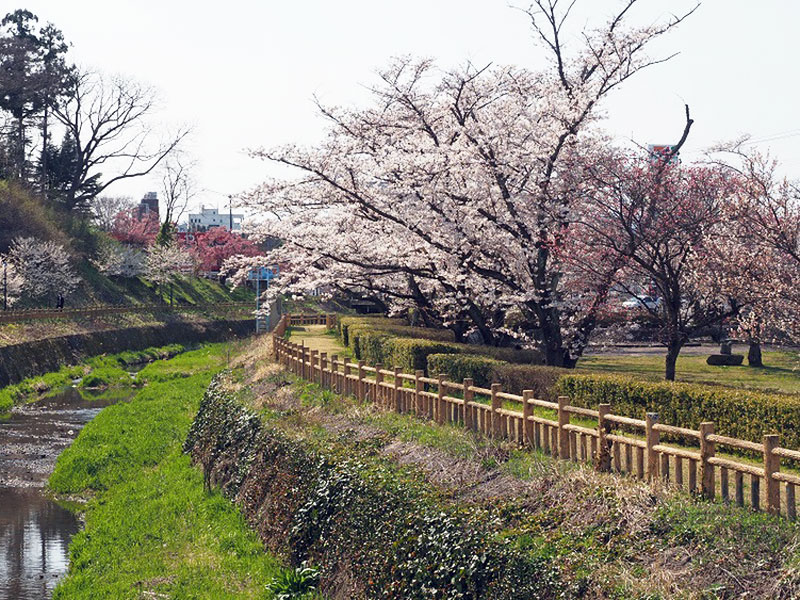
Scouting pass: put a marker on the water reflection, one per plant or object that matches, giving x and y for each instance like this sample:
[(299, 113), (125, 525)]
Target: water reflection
[(34, 536), (35, 531)]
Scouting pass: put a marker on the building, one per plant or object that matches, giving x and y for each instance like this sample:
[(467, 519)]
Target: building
[(211, 217), (148, 204)]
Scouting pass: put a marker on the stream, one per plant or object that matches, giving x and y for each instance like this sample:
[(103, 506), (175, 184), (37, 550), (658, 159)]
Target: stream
[(35, 531)]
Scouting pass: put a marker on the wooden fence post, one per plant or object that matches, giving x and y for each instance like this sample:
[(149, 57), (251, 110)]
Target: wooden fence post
[(469, 396), (348, 388), (439, 410), (527, 423), (334, 384), (496, 404), (360, 382), (313, 360), (707, 450), (563, 434), (772, 464), (275, 347), (323, 365), (603, 459), (418, 385), (398, 401), (652, 439), (378, 399)]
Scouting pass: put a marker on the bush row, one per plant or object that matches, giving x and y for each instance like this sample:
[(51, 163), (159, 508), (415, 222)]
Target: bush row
[(737, 413), (384, 341), (375, 531), (485, 371)]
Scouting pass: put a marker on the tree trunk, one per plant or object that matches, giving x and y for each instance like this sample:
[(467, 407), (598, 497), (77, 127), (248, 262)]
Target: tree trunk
[(673, 350), (754, 354)]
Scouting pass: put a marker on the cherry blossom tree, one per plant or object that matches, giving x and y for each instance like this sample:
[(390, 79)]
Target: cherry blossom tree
[(119, 260), (43, 267), (665, 223), (164, 264), (760, 249), (12, 282), (134, 229), (453, 192), (215, 246)]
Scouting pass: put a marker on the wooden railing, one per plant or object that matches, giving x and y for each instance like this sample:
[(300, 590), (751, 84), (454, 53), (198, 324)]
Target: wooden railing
[(691, 460), (12, 316)]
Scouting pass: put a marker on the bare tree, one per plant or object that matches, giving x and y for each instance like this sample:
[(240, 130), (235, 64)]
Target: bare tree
[(178, 186), (106, 208), (107, 120)]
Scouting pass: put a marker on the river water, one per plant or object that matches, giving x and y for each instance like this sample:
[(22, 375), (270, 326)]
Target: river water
[(35, 531)]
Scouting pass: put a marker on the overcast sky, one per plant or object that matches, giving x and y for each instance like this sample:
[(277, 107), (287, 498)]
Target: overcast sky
[(243, 73)]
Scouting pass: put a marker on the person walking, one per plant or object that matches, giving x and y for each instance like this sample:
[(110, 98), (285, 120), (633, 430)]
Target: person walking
[(60, 301)]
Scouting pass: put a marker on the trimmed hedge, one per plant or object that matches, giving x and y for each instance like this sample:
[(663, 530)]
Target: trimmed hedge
[(736, 413), (485, 371), (390, 343)]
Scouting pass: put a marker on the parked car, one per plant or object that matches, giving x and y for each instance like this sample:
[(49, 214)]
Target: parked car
[(645, 302)]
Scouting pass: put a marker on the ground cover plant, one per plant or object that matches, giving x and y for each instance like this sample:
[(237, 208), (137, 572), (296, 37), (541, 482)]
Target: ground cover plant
[(152, 529), (604, 535)]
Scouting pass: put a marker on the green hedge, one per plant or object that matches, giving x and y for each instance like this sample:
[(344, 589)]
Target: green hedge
[(391, 343), (737, 413), (485, 371)]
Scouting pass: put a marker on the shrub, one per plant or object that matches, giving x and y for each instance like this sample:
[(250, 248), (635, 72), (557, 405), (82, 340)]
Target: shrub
[(736, 413), (485, 371), (385, 341)]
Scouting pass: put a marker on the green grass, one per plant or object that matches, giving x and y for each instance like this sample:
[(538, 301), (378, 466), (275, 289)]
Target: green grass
[(152, 530), (604, 531), (317, 337), (97, 288), (96, 372), (782, 373)]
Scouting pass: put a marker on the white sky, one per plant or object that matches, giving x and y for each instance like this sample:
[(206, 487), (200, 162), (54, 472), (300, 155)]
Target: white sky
[(243, 73)]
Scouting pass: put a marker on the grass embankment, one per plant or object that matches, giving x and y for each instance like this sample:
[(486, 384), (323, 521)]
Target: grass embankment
[(98, 372), (152, 531), (600, 535)]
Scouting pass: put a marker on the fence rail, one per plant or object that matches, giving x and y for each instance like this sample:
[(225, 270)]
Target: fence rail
[(611, 442), (12, 316)]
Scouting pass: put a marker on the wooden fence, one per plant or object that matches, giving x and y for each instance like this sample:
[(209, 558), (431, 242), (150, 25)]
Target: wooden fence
[(13, 316), (691, 459)]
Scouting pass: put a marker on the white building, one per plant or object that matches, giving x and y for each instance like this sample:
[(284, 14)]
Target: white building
[(211, 217)]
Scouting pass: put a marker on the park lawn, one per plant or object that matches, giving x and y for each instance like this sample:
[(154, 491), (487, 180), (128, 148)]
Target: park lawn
[(152, 529), (317, 337), (782, 373)]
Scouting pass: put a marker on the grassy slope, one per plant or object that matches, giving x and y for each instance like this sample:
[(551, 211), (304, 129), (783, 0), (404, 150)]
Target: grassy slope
[(99, 289), (609, 536), (151, 528)]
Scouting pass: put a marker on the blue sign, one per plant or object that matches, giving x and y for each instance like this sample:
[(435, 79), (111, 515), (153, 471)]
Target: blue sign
[(263, 273)]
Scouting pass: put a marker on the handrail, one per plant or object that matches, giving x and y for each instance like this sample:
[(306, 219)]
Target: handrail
[(645, 456)]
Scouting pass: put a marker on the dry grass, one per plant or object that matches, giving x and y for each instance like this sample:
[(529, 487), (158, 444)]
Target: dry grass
[(609, 532)]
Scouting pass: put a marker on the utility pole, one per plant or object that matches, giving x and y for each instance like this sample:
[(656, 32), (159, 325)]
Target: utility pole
[(230, 213)]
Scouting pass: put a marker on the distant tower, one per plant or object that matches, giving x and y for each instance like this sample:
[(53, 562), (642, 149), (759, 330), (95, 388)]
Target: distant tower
[(149, 204)]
